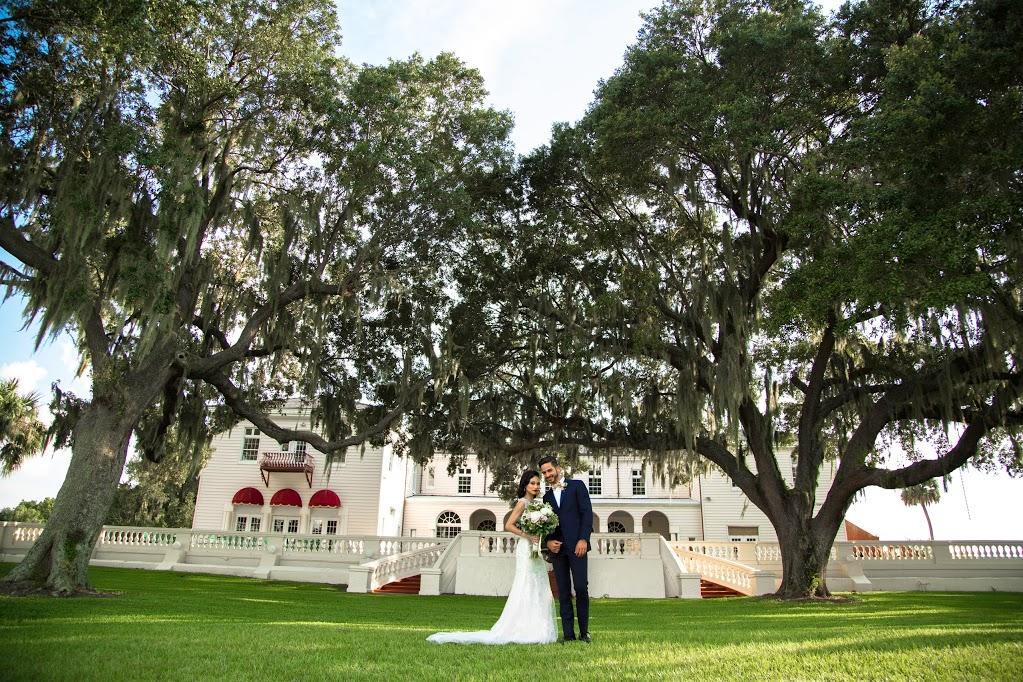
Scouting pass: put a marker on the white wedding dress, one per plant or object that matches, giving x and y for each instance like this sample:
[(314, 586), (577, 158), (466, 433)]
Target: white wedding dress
[(528, 616)]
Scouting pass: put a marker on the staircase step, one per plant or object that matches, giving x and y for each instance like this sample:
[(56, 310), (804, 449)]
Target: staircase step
[(712, 590), (408, 585)]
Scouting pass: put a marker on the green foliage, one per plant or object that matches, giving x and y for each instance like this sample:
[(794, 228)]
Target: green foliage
[(29, 511), (21, 432), (161, 494), (770, 229), (205, 188)]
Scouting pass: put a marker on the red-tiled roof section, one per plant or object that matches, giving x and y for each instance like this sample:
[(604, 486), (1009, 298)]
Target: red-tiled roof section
[(857, 534)]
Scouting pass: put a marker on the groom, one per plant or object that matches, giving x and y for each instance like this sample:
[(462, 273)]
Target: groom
[(568, 545)]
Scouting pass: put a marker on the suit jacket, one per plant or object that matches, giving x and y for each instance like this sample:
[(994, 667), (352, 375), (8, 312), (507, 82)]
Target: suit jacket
[(575, 514)]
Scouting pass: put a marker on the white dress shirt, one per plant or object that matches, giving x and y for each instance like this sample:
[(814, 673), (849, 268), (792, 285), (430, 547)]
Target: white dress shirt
[(558, 491)]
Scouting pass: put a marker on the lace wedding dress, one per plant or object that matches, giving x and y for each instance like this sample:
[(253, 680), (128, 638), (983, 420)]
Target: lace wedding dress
[(528, 616)]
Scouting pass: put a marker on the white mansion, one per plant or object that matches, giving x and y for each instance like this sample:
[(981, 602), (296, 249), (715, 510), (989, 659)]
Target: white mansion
[(252, 483)]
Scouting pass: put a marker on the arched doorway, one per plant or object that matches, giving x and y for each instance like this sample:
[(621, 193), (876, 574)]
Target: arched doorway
[(656, 522), (483, 519), (620, 522), (596, 523)]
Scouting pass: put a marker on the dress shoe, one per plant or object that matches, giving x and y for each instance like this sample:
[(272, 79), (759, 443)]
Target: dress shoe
[(585, 637)]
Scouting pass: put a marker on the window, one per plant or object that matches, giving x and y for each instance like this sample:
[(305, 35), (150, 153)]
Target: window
[(278, 525), (487, 524), (449, 525), (317, 528), (464, 480), (300, 446), (638, 482), (596, 483), (743, 533), (254, 523), (292, 525), (239, 524), (285, 445), (431, 477), (615, 527), (250, 445), (331, 527)]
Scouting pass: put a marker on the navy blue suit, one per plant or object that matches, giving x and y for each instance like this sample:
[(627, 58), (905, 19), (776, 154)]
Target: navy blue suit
[(575, 519)]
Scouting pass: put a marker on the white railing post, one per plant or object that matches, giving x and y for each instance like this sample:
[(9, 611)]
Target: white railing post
[(747, 553), (650, 545), (763, 582), (360, 578), (941, 553), (429, 581), (176, 551), (470, 543), (689, 586), (371, 548), (268, 559)]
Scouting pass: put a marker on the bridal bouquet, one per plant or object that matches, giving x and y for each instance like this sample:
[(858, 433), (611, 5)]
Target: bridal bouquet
[(539, 519)]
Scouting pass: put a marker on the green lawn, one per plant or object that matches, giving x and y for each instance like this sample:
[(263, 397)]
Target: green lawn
[(195, 627)]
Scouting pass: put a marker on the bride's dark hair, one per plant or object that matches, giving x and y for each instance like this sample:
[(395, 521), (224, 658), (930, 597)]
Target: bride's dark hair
[(527, 476)]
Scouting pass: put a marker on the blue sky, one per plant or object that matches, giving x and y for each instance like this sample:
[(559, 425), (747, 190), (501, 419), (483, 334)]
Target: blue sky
[(541, 60)]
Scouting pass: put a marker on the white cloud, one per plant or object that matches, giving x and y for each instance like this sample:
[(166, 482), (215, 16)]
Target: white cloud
[(80, 385), (29, 373), (39, 477)]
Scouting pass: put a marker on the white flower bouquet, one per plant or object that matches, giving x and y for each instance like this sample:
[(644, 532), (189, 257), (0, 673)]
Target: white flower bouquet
[(539, 519)]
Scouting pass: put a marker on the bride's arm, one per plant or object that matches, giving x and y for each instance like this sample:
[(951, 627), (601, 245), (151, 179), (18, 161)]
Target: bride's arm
[(510, 526)]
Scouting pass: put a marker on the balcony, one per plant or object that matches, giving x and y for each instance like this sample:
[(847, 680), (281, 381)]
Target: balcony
[(286, 462)]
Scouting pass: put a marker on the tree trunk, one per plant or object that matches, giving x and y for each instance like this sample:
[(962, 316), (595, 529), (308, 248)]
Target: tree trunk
[(927, 516), (805, 551), (59, 559)]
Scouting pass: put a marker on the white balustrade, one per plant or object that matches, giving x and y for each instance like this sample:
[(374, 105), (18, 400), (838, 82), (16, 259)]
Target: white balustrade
[(226, 541), (740, 577), (746, 567), (398, 566), (615, 545), (986, 551), (135, 537), (27, 533), (887, 551), (497, 544)]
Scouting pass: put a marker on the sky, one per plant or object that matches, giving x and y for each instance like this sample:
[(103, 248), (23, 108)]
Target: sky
[(541, 60)]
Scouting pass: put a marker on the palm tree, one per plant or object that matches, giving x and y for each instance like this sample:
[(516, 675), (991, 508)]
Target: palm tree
[(21, 432), (924, 494)]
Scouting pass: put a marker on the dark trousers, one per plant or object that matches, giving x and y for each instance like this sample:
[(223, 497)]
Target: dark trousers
[(569, 572)]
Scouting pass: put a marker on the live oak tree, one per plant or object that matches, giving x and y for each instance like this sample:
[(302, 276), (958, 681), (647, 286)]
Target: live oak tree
[(772, 230), (225, 214)]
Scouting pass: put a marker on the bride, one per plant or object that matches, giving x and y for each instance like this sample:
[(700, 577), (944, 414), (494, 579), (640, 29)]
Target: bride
[(528, 616)]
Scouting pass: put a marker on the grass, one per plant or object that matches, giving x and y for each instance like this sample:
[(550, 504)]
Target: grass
[(170, 626)]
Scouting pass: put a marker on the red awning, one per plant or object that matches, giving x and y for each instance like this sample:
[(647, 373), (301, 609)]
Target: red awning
[(325, 498), (248, 496), (286, 497)]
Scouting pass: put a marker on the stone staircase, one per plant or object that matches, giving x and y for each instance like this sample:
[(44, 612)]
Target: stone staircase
[(408, 585), (712, 590)]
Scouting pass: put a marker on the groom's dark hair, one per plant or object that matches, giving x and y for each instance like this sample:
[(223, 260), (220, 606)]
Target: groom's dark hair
[(548, 459)]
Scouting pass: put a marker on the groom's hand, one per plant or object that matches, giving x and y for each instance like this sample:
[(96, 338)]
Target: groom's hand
[(554, 546), (580, 548)]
